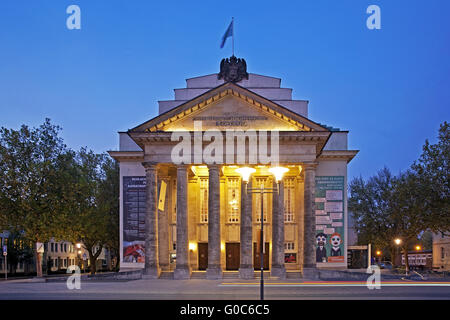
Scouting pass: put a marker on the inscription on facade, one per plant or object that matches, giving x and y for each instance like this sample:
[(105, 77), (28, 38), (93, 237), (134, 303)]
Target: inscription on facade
[(230, 120)]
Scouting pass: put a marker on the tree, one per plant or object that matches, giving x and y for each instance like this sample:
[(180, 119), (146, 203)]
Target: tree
[(30, 197), (369, 204), (108, 201), (433, 172), (94, 222)]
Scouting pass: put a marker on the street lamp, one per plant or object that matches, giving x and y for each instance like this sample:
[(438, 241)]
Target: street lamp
[(418, 248), (245, 172), (398, 241), (78, 245)]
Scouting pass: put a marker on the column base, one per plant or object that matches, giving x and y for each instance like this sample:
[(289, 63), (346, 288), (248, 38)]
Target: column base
[(213, 273), (164, 267), (310, 274), (278, 272), (151, 273), (246, 273), (181, 273)]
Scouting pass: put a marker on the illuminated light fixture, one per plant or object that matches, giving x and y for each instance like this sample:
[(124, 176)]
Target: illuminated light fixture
[(78, 245), (245, 173), (278, 172), (192, 246), (222, 246), (418, 248), (79, 251), (378, 253), (397, 241)]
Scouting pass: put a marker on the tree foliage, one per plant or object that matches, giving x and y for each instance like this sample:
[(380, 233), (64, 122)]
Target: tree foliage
[(50, 191), (387, 207)]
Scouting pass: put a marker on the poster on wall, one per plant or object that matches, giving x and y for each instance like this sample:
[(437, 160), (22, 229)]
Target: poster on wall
[(134, 197), (330, 219)]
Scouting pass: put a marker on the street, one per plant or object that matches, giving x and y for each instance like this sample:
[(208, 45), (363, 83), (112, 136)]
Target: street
[(222, 290)]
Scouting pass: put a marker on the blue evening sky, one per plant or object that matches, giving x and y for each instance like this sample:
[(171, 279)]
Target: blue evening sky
[(388, 87)]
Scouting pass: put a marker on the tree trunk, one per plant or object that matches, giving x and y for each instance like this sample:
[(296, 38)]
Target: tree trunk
[(405, 253), (393, 255), (38, 264), (93, 263)]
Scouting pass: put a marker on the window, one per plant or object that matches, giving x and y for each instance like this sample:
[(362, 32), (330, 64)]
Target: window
[(257, 202), (56, 247), (289, 246), (233, 200), (442, 253), (65, 247), (289, 199), (174, 201), (62, 247), (52, 247), (203, 200)]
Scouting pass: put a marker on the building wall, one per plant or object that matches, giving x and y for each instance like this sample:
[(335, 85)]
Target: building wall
[(441, 252)]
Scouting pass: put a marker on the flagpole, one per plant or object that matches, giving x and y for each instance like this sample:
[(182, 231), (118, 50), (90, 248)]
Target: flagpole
[(232, 36)]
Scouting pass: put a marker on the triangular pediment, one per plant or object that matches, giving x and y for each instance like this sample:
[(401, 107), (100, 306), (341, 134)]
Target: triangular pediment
[(229, 106)]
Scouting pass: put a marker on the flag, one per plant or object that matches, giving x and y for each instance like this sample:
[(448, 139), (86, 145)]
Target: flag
[(228, 33)]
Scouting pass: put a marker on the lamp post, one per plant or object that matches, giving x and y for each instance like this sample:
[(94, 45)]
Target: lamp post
[(78, 245), (245, 172), (398, 241)]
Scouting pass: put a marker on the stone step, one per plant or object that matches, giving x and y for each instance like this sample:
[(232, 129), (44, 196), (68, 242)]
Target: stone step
[(258, 274), (293, 275), (166, 275), (230, 275), (198, 275)]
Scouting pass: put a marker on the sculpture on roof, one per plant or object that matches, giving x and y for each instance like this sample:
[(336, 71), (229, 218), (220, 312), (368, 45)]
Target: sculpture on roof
[(233, 69)]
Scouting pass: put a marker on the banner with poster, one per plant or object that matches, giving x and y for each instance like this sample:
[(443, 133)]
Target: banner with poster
[(329, 219), (134, 197)]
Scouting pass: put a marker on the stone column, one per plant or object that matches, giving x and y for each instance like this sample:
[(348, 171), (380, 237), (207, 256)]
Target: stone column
[(309, 242), (214, 270), (151, 268), (163, 229), (182, 270), (246, 270), (278, 270)]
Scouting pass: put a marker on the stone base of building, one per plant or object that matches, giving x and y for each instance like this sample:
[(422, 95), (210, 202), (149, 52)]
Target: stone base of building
[(181, 274), (213, 273), (246, 273), (278, 272), (310, 273), (151, 273)]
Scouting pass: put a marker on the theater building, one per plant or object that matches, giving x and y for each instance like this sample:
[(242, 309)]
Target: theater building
[(195, 216)]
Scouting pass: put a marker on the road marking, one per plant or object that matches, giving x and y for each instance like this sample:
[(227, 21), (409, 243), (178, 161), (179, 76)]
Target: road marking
[(337, 284)]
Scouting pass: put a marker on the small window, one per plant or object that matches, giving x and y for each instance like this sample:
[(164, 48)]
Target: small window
[(442, 253), (52, 247), (233, 200), (289, 196), (203, 200), (289, 246)]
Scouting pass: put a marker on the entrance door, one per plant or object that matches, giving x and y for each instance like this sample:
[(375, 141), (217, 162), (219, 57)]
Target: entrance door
[(202, 256), (233, 256), (256, 261)]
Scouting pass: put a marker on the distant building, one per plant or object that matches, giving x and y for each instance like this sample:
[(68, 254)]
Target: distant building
[(441, 252), (58, 256), (419, 260)]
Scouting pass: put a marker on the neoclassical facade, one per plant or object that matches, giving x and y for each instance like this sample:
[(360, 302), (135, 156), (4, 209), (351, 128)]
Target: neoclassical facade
[(184, 207)]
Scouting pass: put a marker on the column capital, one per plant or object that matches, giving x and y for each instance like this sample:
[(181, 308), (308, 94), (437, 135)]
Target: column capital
[(182, 167), (309, 166), (149, 164), (214, 166)]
